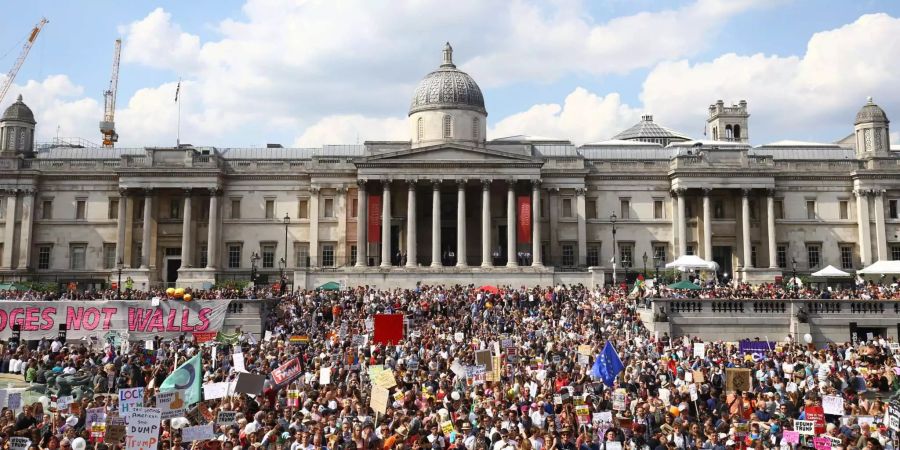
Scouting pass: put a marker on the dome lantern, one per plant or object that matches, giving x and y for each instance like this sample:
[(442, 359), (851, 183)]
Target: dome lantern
[(17, 129)]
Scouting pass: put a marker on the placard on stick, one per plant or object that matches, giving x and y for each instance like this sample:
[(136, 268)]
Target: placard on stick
[(249, 383), (379, 399), (737, 380)]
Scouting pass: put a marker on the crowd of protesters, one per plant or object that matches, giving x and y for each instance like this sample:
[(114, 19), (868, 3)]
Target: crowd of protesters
[(543, 395)]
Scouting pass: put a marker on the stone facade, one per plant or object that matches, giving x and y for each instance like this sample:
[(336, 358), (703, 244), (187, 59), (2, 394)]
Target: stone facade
[(450, 204)]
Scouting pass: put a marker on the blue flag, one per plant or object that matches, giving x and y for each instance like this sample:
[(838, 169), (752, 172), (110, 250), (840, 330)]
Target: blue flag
[(608, 365)]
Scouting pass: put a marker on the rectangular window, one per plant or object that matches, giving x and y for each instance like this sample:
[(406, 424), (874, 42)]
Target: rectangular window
[(658, 209), (568, 255), (895, 253), (779, 209), (352, 254), (354, 207), (567, 207), (327, 255), (843, 210), (892, 209), (113, 210), (47, 209), (77, 255), (811, 209), (689, 249), (328, 208), (109, 256), (626, 254), (175, 208), (44, 257), (301, 252), (813, 255), (624, 209), (846, 257), (659, 255), (80, 209), (270, 209), (303, 209), (781, 256), (204, 255), (590, 208), (268, 256), (593, 254), (235, 208), (234, 256)]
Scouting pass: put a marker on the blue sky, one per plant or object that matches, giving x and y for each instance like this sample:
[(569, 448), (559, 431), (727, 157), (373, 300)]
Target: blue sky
[(307, 73)]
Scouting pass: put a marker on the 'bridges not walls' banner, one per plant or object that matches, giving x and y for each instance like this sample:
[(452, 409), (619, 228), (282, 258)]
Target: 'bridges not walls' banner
[(93, 318)]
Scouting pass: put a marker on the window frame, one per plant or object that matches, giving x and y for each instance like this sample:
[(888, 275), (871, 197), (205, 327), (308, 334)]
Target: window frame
[(43, 264), (813, 248), (80, 208), (113, 208), (235, 213), (269, 208), (73, 251), (229, 254), (267, 258), (846, 251)]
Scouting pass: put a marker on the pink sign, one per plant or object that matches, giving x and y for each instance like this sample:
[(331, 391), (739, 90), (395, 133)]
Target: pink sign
[(790, 437), (822, 443)]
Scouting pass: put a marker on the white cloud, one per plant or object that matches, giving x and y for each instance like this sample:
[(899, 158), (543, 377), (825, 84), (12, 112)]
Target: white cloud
[(351, 129), (57, 102)]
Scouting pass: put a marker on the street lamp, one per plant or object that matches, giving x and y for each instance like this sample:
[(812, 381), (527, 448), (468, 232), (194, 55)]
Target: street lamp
[(281, 265), (254, 258), (119, 266), (794, 269), (645, 264), (612, 219)]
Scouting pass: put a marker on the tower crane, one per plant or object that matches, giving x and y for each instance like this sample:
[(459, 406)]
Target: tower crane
[(21, 59), (108, 125)]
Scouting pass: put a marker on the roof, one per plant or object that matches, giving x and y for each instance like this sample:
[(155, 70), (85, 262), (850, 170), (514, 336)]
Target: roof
[(636, 153), (18, 111), (447, 88), (293, 153), (621, 142), (789, 143), (882, 268), (528, 138), (870, 112), (800, 153), (648, 129)]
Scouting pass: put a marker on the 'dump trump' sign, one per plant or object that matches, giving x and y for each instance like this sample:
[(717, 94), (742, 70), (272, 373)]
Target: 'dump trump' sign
[(93, 318)]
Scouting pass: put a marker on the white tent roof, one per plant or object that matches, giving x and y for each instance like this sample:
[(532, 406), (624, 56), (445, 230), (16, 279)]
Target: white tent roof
[(882, 268), (831, 272), (689, 262)]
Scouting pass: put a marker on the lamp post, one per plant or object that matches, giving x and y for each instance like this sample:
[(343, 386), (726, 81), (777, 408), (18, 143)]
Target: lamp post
[(612, 219), (645, 264), (119, 266), (287, 221), (254, 257), (657, 260), (794, 276), (281, 265)]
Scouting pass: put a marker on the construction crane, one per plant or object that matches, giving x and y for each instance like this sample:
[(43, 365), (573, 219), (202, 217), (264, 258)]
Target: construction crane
[(25, 49), (108, 125)]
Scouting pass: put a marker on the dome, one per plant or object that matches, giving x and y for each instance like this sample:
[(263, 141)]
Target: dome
[(18, 111), (447, 88), (649, 131), (870, 112)]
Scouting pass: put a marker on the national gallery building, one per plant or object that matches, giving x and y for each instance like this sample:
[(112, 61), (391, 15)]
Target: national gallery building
[(447, 205)]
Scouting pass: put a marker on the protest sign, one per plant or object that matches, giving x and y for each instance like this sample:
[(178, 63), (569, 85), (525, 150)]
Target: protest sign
[(115, 430), (293, 398), (698, 376), (238, 359), (98, 430), (699, 350), (19, 443), (483, 358), (817, 415), (382, 377), (226, 417), (286, 372), (379, 399), (822, 443), (171, 404), (388, 329), (212, 391), (737, 380), (447, 427), (805, 427), (143, 428), (197, 433), (893, 416), (95, 415), (613, 445), (201, 337), (618, 401), (833, 404), (790, 437), (62, 402), (130, 398), (325, 376), (249, 383), (14, 401)]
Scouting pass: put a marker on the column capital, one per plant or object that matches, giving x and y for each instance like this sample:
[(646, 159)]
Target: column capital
[(486, 184), (215, 192), (314, 189), (341, 189), (770, 192), (148, 192), (511, 182), (745, 192), (677, 192), (188, 192), (28, 191), (436, 183), (412, 183), (461, 184), (580, 191), (123, 192), (535, 184), (361, 182), (878, 192), (706, 191), (386, 184)]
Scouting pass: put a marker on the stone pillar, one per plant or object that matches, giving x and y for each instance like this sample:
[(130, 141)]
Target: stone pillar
[(770, 224), (486, 254), (187, 242), (682, 224), (436, 223), (362, 220), (121, 223), (582, 227), (707, 227), (881, 240), (10, 233), (212, 237), (26, 228), (536, 258), (745, 228), (411, 241), (511, 260), (862, 218), (461, 224), (145, 240), (386, 224), (314, 226)]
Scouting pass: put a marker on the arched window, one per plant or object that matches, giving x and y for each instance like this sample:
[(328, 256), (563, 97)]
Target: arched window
[(728, 132), (448, 127), (420, 128), (737, 132), (476, 128)]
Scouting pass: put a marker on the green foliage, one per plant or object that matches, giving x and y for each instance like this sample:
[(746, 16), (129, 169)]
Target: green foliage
[(233, 284)]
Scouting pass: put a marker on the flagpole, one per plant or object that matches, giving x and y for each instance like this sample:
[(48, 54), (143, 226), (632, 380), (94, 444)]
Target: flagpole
[(178, 132)]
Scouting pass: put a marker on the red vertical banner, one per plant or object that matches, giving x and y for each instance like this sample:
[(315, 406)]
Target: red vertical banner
[(524, 208), (374, 218)]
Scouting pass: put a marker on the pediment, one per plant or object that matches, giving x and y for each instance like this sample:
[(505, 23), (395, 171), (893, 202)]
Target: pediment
[(450, 152)]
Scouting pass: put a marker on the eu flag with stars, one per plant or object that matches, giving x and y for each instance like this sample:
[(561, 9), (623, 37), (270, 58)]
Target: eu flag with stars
[(608, 365)]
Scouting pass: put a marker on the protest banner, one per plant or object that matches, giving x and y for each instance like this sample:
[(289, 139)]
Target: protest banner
[(737, 380), (388, 329), (805, 427), (143, 428), (115, 430), (822, 443), (226, 417), (817, 415), (202, 337), (197, 433), (130, 398), (249, 383), (171, 404), (790, 437), (379, 399), (84, 319), (286, 372), (833, 404), (212, 391), (19, 443)]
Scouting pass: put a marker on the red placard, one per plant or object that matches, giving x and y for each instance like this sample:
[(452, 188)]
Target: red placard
[(388, 329), (524, 208), (287, 372), (204, 336), (817, 415), (374, 217)]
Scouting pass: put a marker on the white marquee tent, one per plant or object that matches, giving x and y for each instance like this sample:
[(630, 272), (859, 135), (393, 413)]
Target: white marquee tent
[(831, 272), (882, 268), (691, 262)]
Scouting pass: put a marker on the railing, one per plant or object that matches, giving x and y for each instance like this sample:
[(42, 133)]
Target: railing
[(811, 307)]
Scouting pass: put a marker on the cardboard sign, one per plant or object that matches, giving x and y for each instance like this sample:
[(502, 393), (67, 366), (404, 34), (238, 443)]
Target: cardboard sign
[(618, 402), (698, 376), (584, 349), (212, 391), (805, 427), (197, 433), (383, 378), (388, 329), (379, 399), (817, 415), (226, 417), (325, 376), (130, 398), (483, 358), (286, 372), (143, 428), (249, 383), (238, 359), (833, 404), (737, 380), (14, 401), (171, 404), (790, 437), (19, 443), (115, 430), (93, 415)]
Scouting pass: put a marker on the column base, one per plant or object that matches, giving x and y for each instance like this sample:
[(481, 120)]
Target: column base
[(758, 275), (141, 278), (196, 278)]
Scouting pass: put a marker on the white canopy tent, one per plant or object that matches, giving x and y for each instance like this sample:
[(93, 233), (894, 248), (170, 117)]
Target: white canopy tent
[(882, 268), (831, 272), (691, 262)]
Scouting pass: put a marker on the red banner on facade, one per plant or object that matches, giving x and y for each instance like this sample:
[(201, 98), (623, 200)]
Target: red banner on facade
[(374, 213), (524, 208)]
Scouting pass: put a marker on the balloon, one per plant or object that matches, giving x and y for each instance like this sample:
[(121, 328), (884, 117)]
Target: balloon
[(179, 292), (188, 297), (807, 338), (170, 292), (454, 395), (78, 444)]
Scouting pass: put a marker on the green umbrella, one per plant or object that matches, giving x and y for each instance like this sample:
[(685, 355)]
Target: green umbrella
[(684, 284), (330, 286)]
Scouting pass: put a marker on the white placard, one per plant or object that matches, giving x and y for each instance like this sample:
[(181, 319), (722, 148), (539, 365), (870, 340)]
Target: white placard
[(805, 427), (19, 443), (226, 417), (238, 359), (130, 398), (325, 375), (171, 404), (699, 350), (198, 433), (833, 404), (212, 391), (62, 403), (613, 445), (143, 428), (15, 401)]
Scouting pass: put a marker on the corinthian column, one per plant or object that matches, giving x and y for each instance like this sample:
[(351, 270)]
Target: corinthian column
[(511, 226), (411, 242), (362, 219), (486, 257), (386, 224), (461, 224)]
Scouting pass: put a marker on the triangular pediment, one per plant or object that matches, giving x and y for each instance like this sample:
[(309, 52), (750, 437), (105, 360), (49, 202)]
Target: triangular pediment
[(450, 152)]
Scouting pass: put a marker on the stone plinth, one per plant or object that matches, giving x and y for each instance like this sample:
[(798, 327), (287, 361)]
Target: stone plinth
[(196, 278)]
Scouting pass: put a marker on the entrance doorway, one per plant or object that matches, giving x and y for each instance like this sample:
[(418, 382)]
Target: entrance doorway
[(395, 245), (448, 246), (867, 334), (722, 256), (501, 259), (172, 266)]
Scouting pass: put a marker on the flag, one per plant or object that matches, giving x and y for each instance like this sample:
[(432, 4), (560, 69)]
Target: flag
[(177, 90), (608, 365), (186, 377)]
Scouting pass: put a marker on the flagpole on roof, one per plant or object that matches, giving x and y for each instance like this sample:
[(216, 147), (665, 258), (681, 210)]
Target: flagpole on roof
[(178, 132)]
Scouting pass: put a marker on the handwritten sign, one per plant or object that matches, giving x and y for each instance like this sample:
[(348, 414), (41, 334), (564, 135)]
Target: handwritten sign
[(379, 399), (19, 443), (822, 443), (618, 401), (805, 427), (383, 378), (14, 401), (212, 391), (790, 437), (226, 417), (833, 404), (130, 398), (143, 428), (737, 380), (197, 433), (115, 430), (171, 404)]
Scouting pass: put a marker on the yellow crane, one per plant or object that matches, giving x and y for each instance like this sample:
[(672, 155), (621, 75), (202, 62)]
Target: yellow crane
[(108, 124), (21, 59)]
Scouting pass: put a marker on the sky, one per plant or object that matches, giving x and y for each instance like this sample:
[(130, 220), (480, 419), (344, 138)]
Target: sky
[(309, 73)]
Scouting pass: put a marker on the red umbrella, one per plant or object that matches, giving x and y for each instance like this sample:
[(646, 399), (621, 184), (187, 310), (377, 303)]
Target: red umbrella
[(490, 289)]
